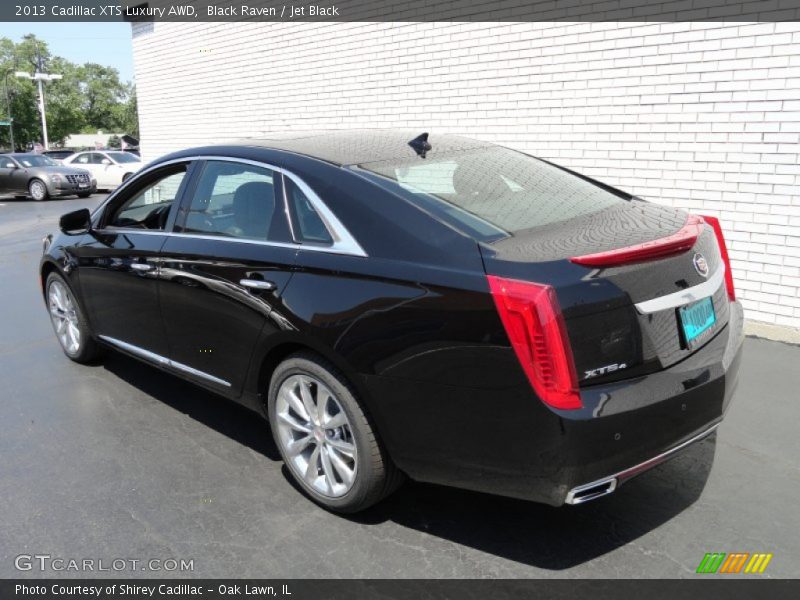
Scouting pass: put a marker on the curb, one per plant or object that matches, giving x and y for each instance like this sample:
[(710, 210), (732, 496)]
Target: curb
[(776, 333)]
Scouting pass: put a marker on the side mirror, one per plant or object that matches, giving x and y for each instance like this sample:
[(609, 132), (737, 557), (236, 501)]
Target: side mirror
[(76, 222), (105, 161)]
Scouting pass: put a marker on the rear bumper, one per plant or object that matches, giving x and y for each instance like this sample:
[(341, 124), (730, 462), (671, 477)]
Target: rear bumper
[(505, 441), (607, 485)]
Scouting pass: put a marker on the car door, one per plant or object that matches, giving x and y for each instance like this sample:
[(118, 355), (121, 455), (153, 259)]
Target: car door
[(223, 270), (100, 169), (118, 262), (17, 178), (83, 161), (109, 171), (6, 166)]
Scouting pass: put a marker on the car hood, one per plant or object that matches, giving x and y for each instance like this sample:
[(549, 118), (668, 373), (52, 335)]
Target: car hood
[(61, 170)]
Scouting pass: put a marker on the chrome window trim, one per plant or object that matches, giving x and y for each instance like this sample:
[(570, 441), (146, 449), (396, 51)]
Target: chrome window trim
[(162, 360), (343, 241), (683, 297)]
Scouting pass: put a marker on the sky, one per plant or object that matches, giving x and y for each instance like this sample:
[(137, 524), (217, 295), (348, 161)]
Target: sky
[(108, 44)]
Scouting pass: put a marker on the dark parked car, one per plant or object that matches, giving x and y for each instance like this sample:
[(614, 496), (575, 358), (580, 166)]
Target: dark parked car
[(40, 177), (440, 308), (58, 155)]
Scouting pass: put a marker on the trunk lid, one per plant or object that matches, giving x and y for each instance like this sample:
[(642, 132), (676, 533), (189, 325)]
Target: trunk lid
[(611, 337)]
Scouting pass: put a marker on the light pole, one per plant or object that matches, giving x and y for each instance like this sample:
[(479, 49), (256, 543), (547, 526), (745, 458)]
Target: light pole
[(10, 117), (40, 77)]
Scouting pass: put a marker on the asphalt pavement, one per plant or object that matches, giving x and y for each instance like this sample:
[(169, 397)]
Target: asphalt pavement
[(121, 462)]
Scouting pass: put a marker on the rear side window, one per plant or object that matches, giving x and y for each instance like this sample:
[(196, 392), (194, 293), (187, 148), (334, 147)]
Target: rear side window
[(236, 200), (308, 226), (492, 192)]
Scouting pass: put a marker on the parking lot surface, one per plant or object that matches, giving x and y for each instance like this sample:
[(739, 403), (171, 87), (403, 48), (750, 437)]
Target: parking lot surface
[(122, 461)]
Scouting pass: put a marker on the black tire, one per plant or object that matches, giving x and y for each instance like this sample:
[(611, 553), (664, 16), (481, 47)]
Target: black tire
[(126, 176), (84, 194), (88, 350), (38, 190), (375, 475)]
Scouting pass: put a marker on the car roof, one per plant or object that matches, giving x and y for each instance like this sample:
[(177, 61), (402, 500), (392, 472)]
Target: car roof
[(360, 146)]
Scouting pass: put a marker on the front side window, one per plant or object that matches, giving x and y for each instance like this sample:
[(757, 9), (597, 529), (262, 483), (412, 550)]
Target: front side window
[(149, 206), (236, 200)]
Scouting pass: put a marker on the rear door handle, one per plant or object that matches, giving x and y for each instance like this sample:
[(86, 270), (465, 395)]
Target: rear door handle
[(142, 267), (257, 284)]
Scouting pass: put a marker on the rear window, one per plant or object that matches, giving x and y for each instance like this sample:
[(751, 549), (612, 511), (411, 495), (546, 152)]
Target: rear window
[(492, 192)]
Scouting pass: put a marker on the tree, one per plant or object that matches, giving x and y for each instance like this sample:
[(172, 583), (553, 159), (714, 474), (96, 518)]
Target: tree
[(104, 96), (87, 98), (130, 118)]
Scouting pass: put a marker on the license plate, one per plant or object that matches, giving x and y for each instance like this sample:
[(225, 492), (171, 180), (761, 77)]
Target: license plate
[(697, 318), (83, 185)]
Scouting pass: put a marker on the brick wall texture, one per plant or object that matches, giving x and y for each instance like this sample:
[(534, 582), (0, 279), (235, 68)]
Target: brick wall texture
[(704, 116)]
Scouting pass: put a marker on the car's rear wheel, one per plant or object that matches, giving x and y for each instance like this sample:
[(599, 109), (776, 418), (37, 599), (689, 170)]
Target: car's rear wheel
[(38, 190), (69, 322), (326, 440), (126, 176)]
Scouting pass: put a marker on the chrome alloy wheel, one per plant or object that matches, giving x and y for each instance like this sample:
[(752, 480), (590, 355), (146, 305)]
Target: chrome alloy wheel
[(64, 316), (315, 435)]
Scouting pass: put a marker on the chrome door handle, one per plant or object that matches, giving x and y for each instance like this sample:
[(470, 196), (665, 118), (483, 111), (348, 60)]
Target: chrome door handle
[(142, 267), (257, 284)]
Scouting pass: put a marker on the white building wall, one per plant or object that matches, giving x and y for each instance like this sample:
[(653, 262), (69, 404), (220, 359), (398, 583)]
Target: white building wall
[(704, 116)]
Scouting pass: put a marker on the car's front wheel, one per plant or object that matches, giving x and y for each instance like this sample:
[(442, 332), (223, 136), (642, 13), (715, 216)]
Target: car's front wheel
[(38, 190), (326, 440), (69, 322)]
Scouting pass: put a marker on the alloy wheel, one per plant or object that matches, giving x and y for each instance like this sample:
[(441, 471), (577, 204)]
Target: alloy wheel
[(316, 436), (38, 190), (64, 315)]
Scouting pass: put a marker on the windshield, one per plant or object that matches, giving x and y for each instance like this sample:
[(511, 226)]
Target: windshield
[(123, 157), (36, 160), (492, 192)]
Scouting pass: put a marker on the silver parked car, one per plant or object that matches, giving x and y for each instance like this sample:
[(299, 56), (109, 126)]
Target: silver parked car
[(40, 177)]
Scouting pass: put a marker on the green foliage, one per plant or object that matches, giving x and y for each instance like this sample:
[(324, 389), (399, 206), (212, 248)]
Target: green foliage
[(88, 97)]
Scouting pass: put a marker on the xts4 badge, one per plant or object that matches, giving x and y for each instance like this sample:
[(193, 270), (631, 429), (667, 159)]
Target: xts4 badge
[(603, 370)]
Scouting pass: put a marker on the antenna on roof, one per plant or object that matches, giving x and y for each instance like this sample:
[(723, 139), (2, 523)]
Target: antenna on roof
[(420, 145)]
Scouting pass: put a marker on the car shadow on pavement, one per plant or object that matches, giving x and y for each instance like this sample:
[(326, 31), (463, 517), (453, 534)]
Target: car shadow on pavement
[(548, 537), (228, 418), (526, 532)]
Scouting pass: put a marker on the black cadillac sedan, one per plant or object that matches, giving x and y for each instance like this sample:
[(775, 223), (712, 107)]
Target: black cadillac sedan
[(398, 304)]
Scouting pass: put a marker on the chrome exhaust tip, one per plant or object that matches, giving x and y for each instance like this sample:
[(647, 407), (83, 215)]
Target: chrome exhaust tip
[(591, 491)]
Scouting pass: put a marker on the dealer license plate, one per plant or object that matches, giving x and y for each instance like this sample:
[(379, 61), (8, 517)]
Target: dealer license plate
[(697, 318)]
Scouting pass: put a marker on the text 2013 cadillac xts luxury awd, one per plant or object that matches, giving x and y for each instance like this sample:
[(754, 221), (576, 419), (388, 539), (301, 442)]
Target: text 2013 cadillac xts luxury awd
[(398, 305)]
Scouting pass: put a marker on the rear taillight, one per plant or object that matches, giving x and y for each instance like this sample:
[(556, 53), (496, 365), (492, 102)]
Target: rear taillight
[(680, 241), (723, 251), (533, 321)]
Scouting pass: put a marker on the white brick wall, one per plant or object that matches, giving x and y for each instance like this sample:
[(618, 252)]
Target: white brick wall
[(704, 116)]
